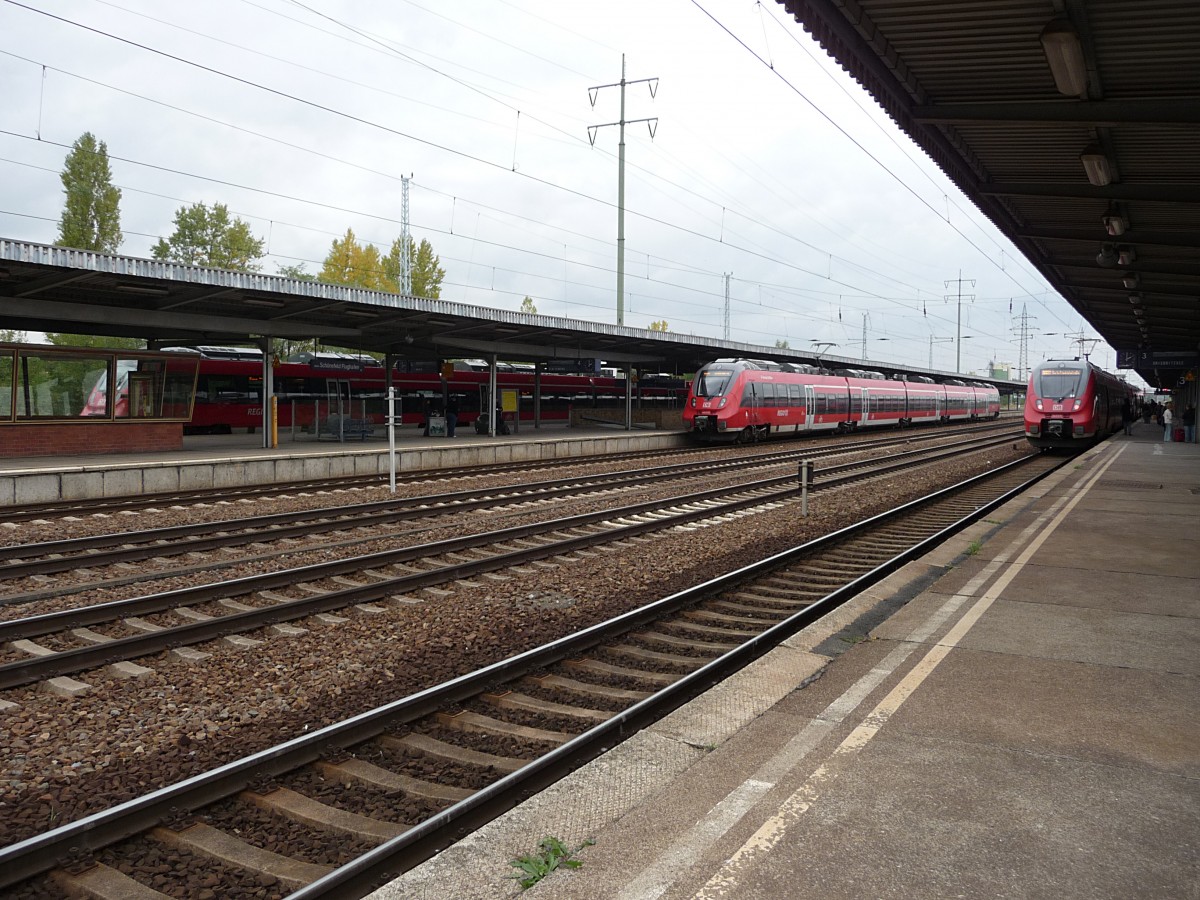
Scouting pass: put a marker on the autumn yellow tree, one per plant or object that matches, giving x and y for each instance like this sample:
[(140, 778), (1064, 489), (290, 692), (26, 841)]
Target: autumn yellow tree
[(660, 325), (355, 264)]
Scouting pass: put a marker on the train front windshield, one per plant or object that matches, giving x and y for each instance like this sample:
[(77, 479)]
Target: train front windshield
[(713, 382), (1058, 383)]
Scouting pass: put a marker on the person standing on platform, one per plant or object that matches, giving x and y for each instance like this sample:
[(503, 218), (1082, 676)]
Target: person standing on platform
[(1167, 419), (451, 415), (1127, 415), (1189, 423)]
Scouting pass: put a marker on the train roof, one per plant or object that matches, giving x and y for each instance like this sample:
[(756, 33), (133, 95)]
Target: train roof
[(211, 352)]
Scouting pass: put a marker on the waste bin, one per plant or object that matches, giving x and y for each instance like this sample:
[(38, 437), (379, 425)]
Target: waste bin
[(1177, 435)]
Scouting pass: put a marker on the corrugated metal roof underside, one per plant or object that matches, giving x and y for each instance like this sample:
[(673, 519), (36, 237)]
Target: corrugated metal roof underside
[(970, 83)]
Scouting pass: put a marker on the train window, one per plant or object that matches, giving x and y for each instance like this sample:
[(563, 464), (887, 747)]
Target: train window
[(797, 394), (713, 382), (749, 395), (1058, 383)]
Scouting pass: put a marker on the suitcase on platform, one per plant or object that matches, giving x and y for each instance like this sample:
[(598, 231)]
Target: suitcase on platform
[(1177, 435)]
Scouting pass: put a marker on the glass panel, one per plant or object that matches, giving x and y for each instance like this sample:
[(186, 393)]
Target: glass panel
[(139, 388), (179, 388), (713, 382), (1058, 384), (7, 363), (61, 385)]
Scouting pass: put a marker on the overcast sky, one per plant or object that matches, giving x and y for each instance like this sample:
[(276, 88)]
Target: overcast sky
[(767, 162)]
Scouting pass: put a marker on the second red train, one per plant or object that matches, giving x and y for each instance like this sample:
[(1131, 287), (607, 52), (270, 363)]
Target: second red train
[(749, 400)]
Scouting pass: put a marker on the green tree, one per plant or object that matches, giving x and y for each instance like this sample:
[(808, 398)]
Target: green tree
[(660, 325), (782, 345), (205, 237), (10, 336), (356, 265), (94, 341), (427, 271), (527, 306), (296, 272), (91, 217)]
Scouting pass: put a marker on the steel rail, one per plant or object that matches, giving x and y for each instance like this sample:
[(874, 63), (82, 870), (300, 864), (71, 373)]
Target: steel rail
[(26, 512), (49, 557), (23, 672), (75, 840)]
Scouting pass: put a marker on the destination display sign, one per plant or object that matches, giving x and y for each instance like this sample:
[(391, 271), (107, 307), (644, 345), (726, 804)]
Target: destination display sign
[(1174, 358)]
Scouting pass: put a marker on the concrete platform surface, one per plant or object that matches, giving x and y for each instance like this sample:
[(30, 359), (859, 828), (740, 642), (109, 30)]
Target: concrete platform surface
[(1024, 722), (208, 461)]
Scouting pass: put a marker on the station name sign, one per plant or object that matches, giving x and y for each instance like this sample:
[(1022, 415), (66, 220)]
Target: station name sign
[(337, 365)]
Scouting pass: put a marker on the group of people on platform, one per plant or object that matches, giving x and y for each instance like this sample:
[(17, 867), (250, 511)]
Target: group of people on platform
[(1164, 417)]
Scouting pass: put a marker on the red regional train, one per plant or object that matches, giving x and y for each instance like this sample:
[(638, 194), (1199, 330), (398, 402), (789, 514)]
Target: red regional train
[(1072, 404), (311, 386), (748, 400)]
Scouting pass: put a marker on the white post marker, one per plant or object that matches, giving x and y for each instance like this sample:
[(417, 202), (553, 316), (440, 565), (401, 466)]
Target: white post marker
[(805, 477), (391, 417)]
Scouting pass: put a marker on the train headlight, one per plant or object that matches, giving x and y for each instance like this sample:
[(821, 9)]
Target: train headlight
[(1037, 404), (693, 402), (1078, 403), (721, 403)]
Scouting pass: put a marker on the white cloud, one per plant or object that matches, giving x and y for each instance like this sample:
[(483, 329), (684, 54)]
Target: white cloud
[(801, 188)]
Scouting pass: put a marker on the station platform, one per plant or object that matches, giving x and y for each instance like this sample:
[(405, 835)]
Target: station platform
[(208, 461), (1016, 715)]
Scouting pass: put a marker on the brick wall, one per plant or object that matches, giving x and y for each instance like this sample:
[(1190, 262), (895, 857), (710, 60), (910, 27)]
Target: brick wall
[(86, 438)]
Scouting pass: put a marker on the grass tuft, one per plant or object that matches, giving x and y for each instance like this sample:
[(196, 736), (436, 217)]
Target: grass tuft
[(552, 853)]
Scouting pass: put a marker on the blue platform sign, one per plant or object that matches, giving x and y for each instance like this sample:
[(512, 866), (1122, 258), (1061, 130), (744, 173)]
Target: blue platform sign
[(1173, 359)]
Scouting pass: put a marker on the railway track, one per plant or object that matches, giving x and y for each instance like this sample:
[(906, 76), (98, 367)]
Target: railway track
[(19, 561), (373, 795), (132, 503), (68, 642)]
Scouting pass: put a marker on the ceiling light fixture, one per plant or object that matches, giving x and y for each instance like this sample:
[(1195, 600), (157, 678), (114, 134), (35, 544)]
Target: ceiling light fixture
[(1132, 280), (362, 314), (1064, 54), (1114, 225), (269, 304), (1107, 257), (1126, 256), (1096, 165), (1135, 299)]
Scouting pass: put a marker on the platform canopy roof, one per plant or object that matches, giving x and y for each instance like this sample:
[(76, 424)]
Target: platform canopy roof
[(47, 288), (1074, 125)]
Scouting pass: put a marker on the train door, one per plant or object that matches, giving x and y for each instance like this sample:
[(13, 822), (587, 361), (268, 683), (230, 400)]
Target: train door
[(810, 406), (866, 406)]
